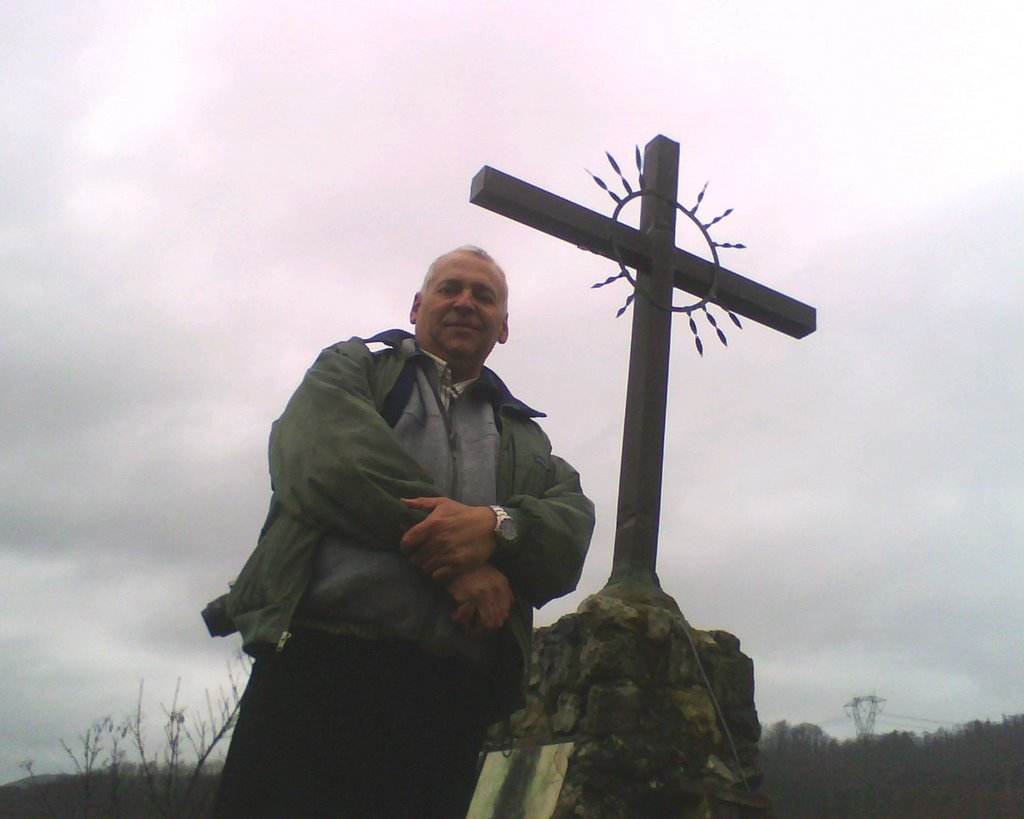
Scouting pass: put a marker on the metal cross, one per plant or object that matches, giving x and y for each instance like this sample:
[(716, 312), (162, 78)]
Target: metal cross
[(660, 267)]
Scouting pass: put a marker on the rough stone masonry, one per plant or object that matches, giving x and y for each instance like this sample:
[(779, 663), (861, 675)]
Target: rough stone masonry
[(619, 679)]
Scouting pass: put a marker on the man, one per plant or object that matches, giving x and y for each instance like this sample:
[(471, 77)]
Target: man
[(417, 517)]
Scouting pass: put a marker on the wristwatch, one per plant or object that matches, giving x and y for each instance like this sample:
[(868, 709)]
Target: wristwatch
[(505, 528)]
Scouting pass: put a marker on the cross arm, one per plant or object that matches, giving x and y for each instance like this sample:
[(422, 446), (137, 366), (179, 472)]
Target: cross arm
[(525, 203), (558, 217)]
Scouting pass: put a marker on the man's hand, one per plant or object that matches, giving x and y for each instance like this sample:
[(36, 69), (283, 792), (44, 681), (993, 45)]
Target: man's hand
[(452, 539), (483, 599)]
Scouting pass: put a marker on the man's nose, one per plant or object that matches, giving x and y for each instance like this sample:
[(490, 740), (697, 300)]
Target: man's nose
[(464, 301)]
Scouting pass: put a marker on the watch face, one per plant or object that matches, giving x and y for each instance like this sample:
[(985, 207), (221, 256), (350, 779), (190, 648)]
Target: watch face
[(507, 529)]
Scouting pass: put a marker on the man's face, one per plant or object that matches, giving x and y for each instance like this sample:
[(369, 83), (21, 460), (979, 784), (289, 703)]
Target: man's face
[(462, 313)]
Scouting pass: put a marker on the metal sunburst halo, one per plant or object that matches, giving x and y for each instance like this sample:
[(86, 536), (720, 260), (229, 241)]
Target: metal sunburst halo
[(700, 306)]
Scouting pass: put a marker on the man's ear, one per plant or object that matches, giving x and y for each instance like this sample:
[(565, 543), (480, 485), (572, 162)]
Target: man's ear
[(503, 335), (415, 308)]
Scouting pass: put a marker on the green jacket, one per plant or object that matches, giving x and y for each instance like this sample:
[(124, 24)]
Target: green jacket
[(337, 467)]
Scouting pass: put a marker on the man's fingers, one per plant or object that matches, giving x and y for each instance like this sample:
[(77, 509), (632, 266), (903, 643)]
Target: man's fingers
[(489, 617), (414, 537), (464, 614), (422, 503), (468, 616), (483, 599), (442, 575), (419, 534), (452, 536)]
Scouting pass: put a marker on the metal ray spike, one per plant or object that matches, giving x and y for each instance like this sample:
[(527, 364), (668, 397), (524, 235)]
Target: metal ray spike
[(607, 281), (700, 197), (622, 177), (603, 186), (718, 219)]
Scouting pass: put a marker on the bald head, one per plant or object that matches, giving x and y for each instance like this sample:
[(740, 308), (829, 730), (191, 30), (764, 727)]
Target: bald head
[(472, 250)]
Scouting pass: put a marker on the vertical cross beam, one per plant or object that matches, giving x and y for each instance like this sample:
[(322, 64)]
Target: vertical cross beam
[(660, 266), (643, 442)]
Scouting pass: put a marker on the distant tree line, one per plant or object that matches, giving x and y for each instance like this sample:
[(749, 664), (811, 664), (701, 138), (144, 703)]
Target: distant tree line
[(976, 770), (119, 771), (973, 772)]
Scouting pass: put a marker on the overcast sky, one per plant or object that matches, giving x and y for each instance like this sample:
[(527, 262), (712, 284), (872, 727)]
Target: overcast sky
[(195, 198)]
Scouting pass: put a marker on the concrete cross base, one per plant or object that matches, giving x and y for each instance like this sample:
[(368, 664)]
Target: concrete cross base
[(623, 722)]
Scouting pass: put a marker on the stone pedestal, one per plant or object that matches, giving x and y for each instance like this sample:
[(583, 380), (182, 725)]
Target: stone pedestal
[(642, 722)]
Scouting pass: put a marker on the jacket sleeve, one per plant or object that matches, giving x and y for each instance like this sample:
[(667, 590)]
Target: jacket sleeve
[(555, 522), (335, 464)]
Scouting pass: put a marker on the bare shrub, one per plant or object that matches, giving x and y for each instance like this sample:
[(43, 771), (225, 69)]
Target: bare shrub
[(117, 771)]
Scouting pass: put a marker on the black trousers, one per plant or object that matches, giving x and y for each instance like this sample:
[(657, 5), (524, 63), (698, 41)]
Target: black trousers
[(361, 729)]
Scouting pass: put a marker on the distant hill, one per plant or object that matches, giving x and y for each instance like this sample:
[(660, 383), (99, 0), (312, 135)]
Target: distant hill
[(974, 772), (29, 781), (102, 794)]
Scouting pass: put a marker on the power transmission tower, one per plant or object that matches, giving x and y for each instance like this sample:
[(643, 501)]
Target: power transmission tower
[(864, 710)]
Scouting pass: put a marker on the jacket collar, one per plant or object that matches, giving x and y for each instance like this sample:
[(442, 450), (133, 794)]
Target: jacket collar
[(500, 395)]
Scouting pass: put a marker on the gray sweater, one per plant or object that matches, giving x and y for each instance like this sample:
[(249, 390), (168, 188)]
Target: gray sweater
[(380, 594)]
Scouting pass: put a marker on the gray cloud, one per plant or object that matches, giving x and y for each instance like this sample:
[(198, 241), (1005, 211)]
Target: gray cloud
[(193, 202)]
